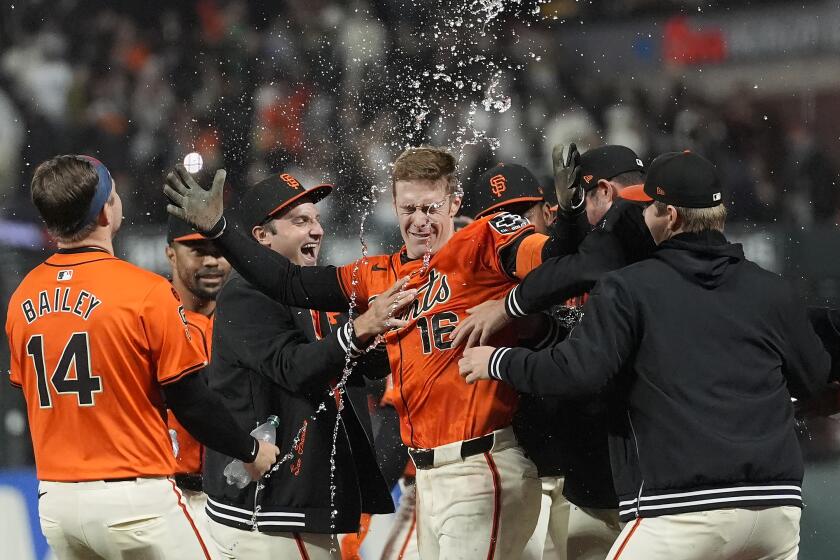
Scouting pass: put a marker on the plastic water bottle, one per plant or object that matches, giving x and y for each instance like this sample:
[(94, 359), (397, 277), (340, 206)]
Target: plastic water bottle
[(235, 472)]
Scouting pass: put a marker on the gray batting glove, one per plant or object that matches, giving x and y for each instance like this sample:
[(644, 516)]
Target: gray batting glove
[(196, 205), (567, 179)]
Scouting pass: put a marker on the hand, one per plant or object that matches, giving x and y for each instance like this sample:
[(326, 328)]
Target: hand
[(383, 312), (485, 320), (475, 364), (193, 203), (567, 178), (266, 456)]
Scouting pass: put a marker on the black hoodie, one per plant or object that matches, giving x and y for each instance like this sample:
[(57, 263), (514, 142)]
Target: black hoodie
[(706, 349)]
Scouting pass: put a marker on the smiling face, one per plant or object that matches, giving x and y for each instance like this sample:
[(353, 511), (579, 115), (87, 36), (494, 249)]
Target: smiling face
[(198, 268), (295, 234), (425, 210)]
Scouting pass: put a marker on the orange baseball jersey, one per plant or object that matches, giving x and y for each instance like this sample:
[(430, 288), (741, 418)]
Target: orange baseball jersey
[(92, 339), (434, 403), (190, 456)]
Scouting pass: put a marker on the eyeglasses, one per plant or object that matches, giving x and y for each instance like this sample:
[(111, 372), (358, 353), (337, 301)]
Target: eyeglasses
[(432, 209)]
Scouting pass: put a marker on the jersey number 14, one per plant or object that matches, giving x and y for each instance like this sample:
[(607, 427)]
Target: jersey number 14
[(76, 352)]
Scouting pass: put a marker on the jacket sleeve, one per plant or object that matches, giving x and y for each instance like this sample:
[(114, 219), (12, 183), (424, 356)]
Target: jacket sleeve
[(560, 278), (265, 339), (309, 287), (806, 363), (596, 350), (826, 323)]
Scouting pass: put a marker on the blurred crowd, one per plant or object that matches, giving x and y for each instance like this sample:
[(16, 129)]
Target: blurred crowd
[(331, 90)]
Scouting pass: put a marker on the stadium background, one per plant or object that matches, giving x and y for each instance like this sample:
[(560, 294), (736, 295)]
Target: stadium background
[(332, 90)]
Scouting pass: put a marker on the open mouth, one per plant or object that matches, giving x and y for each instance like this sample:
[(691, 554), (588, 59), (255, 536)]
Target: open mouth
[(309, 251)]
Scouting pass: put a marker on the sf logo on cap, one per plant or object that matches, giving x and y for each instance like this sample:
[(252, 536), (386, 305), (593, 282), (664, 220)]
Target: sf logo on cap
[(289, 180), (498, 185)]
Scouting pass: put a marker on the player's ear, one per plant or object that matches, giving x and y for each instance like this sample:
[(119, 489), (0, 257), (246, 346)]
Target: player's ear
[(454, 206), (261, 235), (170, 254)]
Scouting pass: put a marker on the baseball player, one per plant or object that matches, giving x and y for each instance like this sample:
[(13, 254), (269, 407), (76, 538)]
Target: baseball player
[(618, 236), (272, 358), (708, 349), (198, 272), (94, 343), (512, 188), (477, 494)]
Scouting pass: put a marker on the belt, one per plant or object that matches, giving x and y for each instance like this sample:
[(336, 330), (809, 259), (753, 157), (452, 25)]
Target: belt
[(191, 482), (425, 458)]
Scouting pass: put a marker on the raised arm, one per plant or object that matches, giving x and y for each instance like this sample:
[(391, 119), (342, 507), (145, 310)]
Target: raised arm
[(314, 287)]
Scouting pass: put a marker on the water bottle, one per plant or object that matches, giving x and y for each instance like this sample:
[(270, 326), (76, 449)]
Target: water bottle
[(235, 472)]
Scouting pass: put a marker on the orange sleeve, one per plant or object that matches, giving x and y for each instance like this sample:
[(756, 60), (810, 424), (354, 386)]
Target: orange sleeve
[(15, 376), (171, 344), (529, 254), (502, 230), (345, 279)]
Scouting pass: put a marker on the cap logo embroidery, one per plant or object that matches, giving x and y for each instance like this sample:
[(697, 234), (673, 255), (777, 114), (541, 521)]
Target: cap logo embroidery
[(498, 185), (639, 162), (660, 191), (716, 196), (587, 178), (289, 180)]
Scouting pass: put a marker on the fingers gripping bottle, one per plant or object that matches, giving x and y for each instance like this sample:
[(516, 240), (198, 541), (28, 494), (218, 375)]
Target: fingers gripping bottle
[(235, 472)]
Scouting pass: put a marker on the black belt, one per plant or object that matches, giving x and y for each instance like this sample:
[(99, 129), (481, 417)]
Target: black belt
[(425, 458), (191, 482)]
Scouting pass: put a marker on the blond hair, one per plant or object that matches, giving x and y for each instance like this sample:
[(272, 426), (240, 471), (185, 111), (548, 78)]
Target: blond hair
[(425, 163), (694, 220)]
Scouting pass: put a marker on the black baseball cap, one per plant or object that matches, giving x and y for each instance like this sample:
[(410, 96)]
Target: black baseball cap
[(270, 196), (607, 162), (507, 186), (179, 231), (682, 179)]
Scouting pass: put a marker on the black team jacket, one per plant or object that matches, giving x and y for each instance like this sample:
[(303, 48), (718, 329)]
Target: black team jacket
[(568, 437), (268, 360), (706, 348)]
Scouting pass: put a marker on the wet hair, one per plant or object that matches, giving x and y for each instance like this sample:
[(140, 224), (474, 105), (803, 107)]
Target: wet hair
[(62, 190), (425, 163), (697, 219)]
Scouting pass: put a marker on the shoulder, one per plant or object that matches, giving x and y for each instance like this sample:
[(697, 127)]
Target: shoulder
[(239, 297), (496, 226)]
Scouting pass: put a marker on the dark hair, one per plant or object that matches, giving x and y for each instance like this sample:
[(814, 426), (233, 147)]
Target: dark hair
[(62, 190), (629, 178), (425, 162)]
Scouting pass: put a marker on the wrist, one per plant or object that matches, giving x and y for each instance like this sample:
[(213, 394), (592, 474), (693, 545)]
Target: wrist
[(218, 228), (363, 329)]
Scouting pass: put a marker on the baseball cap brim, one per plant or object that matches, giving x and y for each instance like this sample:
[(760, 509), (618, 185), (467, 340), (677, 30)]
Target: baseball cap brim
[(313, 195), (635, 193), (189, 237), (509, 204)]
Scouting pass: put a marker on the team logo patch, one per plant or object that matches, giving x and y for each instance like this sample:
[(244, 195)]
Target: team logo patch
[(587, 178), (64, 275), (716, 197), (660, 191), (508, 223), (639, 162), (498, 185), (289, 180)]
